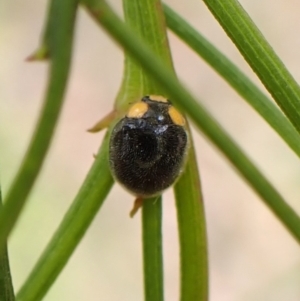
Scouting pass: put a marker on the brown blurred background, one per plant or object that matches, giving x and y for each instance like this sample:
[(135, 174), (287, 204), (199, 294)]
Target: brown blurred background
[(252, 256)]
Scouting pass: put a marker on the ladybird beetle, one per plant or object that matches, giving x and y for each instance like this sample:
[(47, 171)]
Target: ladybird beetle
[(148, 146)]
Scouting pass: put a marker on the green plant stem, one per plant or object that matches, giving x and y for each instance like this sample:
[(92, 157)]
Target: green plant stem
[(152, 249), (59, 42), (192, 233), (76, 221), (259, 55), (146, 19), (133, 76), (182, 98), (6, 286), (143, 17), (236, 78)]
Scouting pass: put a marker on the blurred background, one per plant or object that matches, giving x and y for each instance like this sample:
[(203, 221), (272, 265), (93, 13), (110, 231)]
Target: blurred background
[(251, 255)]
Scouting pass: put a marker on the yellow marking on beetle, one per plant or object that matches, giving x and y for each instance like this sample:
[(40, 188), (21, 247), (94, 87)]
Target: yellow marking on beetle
[(176, 117), (158, 98), (137, 110)]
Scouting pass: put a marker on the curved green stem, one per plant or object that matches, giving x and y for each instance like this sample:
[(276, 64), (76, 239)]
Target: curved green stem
[(58, 41), (76, 221)]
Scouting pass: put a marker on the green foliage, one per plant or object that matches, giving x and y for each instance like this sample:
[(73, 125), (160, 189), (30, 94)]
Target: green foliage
[(236, 78), (259, 55), (57, 44), (148, 69), (76, 221), (6, 287)]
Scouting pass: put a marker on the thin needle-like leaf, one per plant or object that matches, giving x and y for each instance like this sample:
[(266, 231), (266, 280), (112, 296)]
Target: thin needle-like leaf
[(236, 78), (259, 55), (58, 42), (78, 218)]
